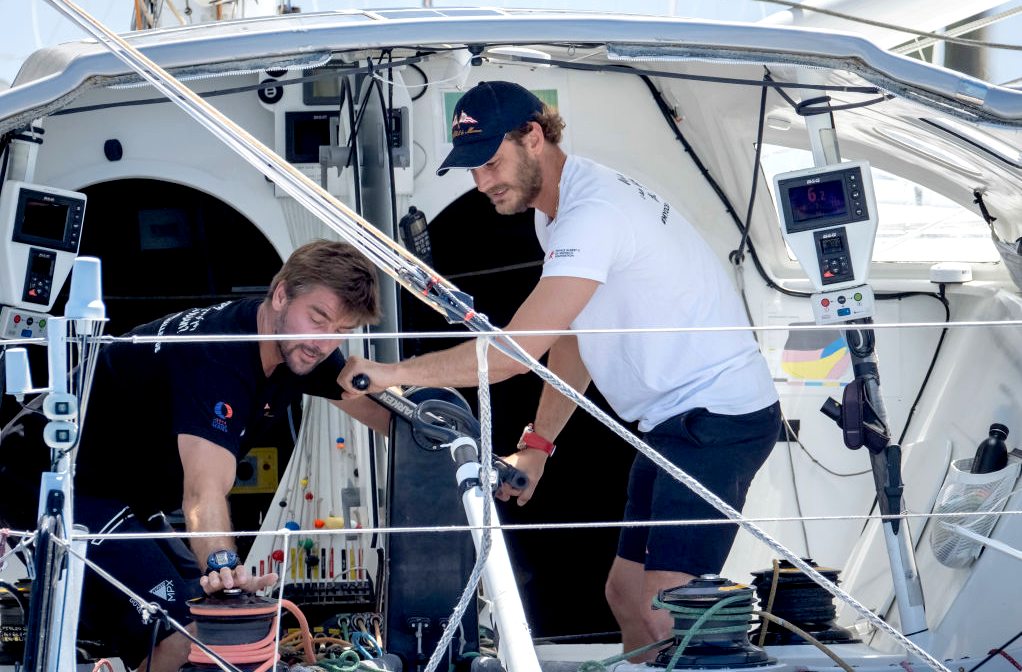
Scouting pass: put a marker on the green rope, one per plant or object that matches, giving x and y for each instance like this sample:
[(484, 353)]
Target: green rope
[(347, 661), (717, 611), (601, 665)]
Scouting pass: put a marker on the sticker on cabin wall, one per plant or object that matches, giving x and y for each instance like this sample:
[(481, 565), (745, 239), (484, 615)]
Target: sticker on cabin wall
[(807, 358), (451, 98)]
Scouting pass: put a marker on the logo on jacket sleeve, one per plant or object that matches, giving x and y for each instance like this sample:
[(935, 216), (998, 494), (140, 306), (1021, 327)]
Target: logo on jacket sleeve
[(223, 412)]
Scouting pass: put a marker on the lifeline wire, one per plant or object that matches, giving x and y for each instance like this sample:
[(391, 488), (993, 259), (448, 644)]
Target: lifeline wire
[(404, 267), (114, 536), (485, 453)]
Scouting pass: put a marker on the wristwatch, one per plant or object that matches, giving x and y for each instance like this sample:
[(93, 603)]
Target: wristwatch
[(530, 439), (224, 558)]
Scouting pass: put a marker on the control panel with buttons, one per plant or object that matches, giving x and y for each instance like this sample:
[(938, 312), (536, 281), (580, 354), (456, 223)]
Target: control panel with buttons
[(20, 323), (41, 229), (828, 218), (833, 256), (843, 305)]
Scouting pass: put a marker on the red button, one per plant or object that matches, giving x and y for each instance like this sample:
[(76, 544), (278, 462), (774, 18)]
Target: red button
[(17, 318), (825, 303)]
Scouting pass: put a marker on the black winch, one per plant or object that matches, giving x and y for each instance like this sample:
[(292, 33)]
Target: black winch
[(239, 626), (711, 625), (800, 601)]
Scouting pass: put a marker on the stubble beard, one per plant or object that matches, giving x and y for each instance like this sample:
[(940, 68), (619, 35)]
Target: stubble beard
[(290, 351), (528, 183)]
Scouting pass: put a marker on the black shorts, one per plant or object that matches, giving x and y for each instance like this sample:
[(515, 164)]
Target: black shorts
[(159, 570), (723, 452)]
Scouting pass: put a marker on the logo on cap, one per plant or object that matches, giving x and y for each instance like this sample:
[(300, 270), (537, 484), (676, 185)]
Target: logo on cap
[(463, 119), (460, 121)]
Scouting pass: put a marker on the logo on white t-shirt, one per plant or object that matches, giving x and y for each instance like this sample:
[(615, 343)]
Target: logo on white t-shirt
[(563, 253)]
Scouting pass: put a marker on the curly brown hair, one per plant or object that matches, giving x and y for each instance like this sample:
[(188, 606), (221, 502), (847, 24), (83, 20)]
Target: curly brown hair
[(549, 120), (338, 267)]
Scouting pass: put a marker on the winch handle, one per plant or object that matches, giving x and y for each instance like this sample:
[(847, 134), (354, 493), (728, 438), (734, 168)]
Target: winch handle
[(414, 413), (509, 474)]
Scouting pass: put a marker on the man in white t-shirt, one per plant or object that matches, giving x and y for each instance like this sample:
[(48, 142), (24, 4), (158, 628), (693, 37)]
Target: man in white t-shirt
[(617, 256)]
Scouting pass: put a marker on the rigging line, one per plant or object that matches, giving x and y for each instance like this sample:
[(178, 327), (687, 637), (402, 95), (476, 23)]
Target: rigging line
[(630, 70), (578, 525), (890, 26), (485, 451), (393, 261), (737, 256), (964, 29), (140, 339), (929, 369)]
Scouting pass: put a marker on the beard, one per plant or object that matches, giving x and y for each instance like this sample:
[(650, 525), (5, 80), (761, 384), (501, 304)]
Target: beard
[(301, 358), (526, 186)]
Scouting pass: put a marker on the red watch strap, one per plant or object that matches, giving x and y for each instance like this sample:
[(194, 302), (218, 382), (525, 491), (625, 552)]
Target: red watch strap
[(530, 439)]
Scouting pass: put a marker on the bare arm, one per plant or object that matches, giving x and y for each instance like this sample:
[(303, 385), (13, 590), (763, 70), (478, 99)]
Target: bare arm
[(551, 416), (209, 472), (366, 411), (554, 408), (552, 305)]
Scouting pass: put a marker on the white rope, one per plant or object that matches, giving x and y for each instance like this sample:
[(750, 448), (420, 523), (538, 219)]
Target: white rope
[(485, 453)]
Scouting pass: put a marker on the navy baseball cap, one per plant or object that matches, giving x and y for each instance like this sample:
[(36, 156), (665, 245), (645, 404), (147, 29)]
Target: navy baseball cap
[(481, 118)]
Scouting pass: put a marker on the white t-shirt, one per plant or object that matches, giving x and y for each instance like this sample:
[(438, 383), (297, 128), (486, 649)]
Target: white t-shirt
[(655, 271)]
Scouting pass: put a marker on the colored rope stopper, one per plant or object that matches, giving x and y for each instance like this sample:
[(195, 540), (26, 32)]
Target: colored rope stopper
[(282, 503), (319, 523), (307, 544), (308, 496), (333, 523), (340, 443), (292, 525), (277, 555), (304, 482)]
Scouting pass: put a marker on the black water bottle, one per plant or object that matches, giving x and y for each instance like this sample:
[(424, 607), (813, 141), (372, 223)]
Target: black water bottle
[(992, 454)]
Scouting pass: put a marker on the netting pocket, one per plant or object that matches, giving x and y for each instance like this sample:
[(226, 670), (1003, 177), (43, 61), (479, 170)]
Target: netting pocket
[(967, 493), (1011, 255)]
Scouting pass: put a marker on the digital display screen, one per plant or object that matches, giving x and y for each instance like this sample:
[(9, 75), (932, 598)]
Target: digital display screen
[(306, 132), (323, 91), (815, 201), (831, 245), (44, 220), (42, 265)]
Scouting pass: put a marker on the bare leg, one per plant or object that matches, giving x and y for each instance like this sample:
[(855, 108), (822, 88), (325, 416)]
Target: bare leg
[(170, 654), (630, 591)]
